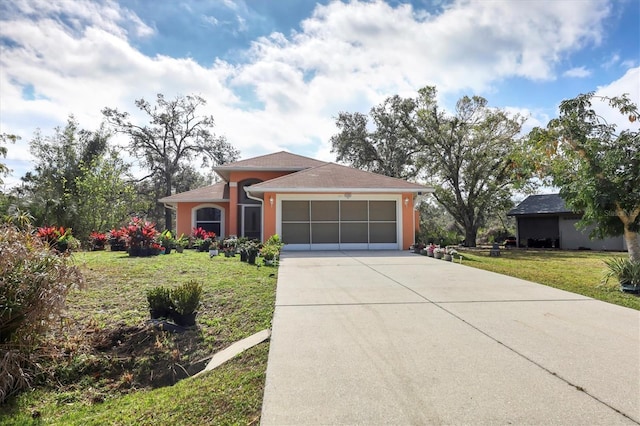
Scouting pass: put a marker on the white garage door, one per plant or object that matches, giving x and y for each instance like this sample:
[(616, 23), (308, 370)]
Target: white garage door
[(339, 224)]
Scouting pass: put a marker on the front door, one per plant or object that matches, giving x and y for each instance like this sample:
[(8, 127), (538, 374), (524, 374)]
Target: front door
[(251, 220)]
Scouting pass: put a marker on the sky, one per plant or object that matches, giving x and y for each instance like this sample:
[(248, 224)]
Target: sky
[(276, 73)]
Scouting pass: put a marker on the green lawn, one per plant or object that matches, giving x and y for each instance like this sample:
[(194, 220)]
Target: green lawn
[(576, 271), (115, 370)]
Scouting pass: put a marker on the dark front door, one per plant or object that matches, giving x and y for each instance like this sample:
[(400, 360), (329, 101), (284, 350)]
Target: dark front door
[(251, 222)]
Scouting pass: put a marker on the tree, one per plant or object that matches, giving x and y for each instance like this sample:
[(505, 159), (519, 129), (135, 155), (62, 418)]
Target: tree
[(389, 149), (52, 187), (596, 167), (175, 136), (4, 140), (106, 194), (472, 158)]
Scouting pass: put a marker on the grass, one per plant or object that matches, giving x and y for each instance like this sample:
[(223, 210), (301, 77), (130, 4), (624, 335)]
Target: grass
[(114, 369), (575, 271)]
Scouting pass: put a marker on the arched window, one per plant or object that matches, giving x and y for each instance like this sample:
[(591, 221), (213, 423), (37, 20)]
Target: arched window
[(209, 217)]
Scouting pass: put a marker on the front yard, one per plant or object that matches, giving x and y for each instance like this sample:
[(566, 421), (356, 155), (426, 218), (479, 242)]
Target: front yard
[(576, 271), (111, 368)]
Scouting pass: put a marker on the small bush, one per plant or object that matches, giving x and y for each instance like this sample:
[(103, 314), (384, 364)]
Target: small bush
[(34, 281), (186, 297)]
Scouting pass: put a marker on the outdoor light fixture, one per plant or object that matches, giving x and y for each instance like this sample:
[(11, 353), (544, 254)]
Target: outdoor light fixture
[(406, 201), (271, 200)]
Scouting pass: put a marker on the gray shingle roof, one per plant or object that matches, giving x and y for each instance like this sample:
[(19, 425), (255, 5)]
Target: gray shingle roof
[(216, 192), (540, 204)]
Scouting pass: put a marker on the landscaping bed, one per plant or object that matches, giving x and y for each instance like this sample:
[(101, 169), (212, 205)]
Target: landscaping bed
[(107, 355)]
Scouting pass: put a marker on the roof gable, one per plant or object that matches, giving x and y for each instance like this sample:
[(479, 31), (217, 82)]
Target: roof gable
[(540, 204), (331, 176), (217, 192), (279, 161)]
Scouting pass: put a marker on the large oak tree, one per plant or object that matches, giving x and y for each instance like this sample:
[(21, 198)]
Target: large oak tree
[(471, 157), (175, 135)]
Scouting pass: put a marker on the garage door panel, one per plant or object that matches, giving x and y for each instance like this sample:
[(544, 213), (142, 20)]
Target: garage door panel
[(325, 233), (354, 233), (382, 211), (382, 233), (354, 211), (295, 211), (325, 211), (295, 233)]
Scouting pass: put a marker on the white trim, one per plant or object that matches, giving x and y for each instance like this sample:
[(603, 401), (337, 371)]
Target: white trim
[(194, 217), (344, 197), (233, 184), (341, 191)]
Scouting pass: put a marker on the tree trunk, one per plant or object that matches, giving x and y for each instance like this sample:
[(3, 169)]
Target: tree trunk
[(470, 235), (630, 237), (633, 244)]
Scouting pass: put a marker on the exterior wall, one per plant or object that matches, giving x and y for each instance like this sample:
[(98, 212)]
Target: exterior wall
[(239, 176), (573, 239), (269, 215), (408, 222), (184, 217)]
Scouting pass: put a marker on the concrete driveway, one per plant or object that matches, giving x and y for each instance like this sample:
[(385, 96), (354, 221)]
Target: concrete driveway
[(397, 338)]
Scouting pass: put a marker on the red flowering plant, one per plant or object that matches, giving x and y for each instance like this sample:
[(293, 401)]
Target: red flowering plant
[(117, 239), (203, 239), (98, 240), (141, 237), (59, 239)]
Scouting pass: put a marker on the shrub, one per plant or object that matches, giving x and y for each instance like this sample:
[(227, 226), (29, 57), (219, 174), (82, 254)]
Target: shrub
[(34, 282), (626, 271), (117, 239), (97, 240), (186, 297), (59, 239), (159, 299), (141, 238)]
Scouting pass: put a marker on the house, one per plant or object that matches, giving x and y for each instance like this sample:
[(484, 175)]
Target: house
[(545, 221), (311, 204)]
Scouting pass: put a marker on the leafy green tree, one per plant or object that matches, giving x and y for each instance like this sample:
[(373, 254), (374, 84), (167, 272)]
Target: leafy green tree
[(51, 189), (176, 135), (106, 194), (596, 167), (388, 148), (472, 158)]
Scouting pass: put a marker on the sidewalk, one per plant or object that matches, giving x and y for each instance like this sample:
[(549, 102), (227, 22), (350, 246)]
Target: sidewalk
[(396, 338)]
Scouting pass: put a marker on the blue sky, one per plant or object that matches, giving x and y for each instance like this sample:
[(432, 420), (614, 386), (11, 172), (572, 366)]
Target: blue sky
[(276, 73)]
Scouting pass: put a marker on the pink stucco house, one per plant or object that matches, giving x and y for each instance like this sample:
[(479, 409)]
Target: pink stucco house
[(311, 204)]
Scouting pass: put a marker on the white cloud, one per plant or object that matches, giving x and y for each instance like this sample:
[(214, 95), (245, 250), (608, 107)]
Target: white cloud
[(346, 56), (629, 83), (577, 72)]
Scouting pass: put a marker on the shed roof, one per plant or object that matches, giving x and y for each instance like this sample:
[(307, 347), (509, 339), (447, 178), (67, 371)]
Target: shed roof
[(540, 204)]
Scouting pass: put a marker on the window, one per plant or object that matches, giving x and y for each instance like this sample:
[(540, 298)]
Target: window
[(209, 218)]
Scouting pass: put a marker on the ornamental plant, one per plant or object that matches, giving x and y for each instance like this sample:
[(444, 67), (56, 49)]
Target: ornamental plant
[(59, 239), (98, 240), (141, 236), (117, 239)]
